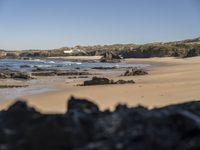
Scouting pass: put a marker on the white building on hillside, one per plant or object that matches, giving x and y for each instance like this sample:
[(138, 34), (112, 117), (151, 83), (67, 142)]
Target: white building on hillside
[(68, 51)]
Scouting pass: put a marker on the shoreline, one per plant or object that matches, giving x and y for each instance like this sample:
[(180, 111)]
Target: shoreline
[(47, 81), (170, 81)]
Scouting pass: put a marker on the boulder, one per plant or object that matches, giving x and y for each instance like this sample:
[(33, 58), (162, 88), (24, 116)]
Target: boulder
[(194, 51), (135, 72), (104, 68), (110, 57), (9, 74), (97, 81), (125, 82), (104, 81), (25, 66)]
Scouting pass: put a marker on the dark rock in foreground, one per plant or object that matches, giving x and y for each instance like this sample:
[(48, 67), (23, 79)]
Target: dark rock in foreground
[(85, 127), (104, 81), (135, 72)]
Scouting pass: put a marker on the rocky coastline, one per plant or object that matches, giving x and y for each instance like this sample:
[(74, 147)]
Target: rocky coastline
[(85, 75), (113, 53)]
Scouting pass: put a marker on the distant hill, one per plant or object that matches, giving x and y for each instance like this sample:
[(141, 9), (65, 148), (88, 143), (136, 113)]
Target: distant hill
[(184, 48), (188, 41)]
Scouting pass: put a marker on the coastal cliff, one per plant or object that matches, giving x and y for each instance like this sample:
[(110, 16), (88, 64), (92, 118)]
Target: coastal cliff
[(185, 48)]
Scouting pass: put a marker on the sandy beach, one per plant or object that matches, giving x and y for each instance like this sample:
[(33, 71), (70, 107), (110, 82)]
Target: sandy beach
[(172, 81)]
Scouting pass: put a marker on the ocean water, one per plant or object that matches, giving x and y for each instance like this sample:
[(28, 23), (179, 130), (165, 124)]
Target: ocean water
[(14, 64), (37, 86)]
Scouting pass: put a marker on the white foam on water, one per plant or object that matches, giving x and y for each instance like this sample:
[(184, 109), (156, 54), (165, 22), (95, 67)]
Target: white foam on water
[(15, 64), (51, 62), (37, 60)]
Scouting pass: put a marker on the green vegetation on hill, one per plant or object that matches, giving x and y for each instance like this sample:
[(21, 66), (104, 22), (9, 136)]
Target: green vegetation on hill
[(185, 48)]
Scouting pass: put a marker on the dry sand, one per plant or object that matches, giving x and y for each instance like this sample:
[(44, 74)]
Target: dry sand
[(174, 81)]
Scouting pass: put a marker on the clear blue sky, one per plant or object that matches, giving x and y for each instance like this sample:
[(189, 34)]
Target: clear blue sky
[(43, 24)]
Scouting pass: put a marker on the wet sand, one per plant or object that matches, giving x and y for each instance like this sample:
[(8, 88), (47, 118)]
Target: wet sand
[(172, 81)]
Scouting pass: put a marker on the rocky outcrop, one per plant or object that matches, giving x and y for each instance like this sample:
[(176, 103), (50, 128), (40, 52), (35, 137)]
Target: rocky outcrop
[(78, 77), (124, 82), (97, 81), (50, 72), (9, 74), (110, 57), (25, 66), (162, 50), (12, 55), (111, 53), (85, 127), (194, 51), (135, 72), (104, 68), (103, 81), (12, 86), (34, 54)]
